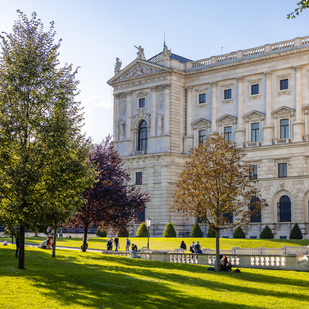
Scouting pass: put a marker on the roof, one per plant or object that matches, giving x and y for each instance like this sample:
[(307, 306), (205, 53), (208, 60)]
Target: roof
[(160, 57)]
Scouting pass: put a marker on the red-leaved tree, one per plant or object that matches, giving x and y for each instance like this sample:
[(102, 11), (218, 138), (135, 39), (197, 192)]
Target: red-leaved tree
[(110, 201)]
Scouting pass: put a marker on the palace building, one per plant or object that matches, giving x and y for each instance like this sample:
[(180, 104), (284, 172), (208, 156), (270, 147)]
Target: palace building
[(257, 97)]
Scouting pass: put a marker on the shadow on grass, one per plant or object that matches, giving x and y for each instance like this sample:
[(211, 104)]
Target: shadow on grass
[(124, 283)]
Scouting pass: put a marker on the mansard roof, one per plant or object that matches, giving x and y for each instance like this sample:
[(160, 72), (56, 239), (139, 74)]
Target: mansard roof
[(160, 57)]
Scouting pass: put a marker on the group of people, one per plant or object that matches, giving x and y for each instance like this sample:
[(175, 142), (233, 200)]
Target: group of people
[(225, 265), (194, 248), (47, 243), (115, 241)]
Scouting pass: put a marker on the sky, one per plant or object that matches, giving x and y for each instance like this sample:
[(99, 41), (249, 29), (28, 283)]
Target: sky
[(95, 32)]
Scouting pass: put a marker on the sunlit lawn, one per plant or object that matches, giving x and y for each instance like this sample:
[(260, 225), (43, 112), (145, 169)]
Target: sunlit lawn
[(92, 280), (172, 243)]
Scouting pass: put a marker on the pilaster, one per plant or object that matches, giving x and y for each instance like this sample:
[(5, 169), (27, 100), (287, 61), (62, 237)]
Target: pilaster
[(240, 131), (213, 107), (268, 128), (298, 125)]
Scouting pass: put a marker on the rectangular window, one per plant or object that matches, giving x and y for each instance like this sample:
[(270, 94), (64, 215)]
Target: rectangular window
[(255, 132), (201, 136), (255, 89), (284, 84), (142, 102), (284, 128), (282, 170), (139, 178), (228, 133), (202, 98), (254, 172), (227, 94)]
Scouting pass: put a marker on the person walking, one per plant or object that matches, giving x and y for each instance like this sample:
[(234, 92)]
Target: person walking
[(116, 240), (128, 243)]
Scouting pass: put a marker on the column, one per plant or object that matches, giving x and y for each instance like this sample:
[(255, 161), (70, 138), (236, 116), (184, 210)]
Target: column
[(166, 109), (128, 118), (213, 106), (116, 116), (240, 131), (268, 128), (298, 125), (153, 111)]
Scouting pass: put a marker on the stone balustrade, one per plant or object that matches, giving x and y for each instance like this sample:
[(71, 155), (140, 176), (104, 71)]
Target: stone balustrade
[(252, 52), (285, 258)]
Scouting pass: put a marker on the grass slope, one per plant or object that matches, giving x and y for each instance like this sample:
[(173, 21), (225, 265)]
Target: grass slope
[(92, 280)]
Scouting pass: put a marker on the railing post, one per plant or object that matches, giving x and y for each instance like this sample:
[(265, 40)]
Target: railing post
[(297, 42), (239, 54), (213, 60), (235, 250), (267, 49)]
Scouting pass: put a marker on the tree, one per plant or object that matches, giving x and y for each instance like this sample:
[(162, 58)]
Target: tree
[(211, 232), (142, 230), (302, 5), (170, 230), (196, 231), (266, 233), (44, 164), (239, 233), (296, 232), (216, 187), (110, 201)]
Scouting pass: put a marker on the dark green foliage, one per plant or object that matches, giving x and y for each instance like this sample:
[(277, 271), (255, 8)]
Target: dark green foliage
[(239, 233), (170, 230), (196, 231), (211, 232), (296, 232), (101, 232), (123, 231), (142, 230), (266, 233)]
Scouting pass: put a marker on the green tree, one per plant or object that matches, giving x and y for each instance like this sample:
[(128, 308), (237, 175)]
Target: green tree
[(196, 231), (142, 230), (211, 232), (301, 5), (216, 186), (266, 233), (101, 231), (44, 163), (296, 232), (170, 230), (239, 233)]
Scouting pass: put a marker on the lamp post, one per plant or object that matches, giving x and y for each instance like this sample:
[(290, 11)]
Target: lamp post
[(148, 221)]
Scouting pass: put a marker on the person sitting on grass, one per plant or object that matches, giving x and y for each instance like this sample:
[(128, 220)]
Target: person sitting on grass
[(227, 266), (133, 252), (198, 248)]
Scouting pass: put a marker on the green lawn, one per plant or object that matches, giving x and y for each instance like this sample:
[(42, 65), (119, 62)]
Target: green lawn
[(93, 280), (173, 243)]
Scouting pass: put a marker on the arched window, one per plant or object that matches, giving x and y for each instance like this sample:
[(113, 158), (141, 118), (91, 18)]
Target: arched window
[(284, 209), (255, 217), (141, 216), (142, 136)]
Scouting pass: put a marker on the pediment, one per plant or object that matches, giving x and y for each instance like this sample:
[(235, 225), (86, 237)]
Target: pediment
[(137, 68), (227, 118), (201, 123), (254, 114), (283, 110)]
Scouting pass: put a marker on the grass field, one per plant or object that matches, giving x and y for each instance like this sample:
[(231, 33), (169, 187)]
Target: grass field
[(173, 243), (93, 280)]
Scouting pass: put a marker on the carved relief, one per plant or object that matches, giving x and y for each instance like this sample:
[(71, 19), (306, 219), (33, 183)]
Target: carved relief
[(161, 99), (255, 97), (123, 106), (139, 83), (160, 124), (141, 114), (139, 71)]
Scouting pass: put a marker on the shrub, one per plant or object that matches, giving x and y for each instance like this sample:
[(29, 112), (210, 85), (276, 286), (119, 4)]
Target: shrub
[(123, 231), (266, 233), (296, 232), (239, 233), (196, 231), (211, 232), (101, 232), (170, 230), (142, 230)]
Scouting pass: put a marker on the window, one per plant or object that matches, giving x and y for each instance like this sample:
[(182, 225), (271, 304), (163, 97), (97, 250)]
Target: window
[(253, 172), (284, 209), (139, 178), (255, 89), (284, 84), (142, 136), (141, 216), (284, 128), (142, 102), (255, 132), (202, 98), (201, 136), (228, 133), (282, 170), (229, 217), (227, 94), (256, 215)]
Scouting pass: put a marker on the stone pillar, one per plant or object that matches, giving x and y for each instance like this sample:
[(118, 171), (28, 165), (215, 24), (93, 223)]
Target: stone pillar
[(268, 128), (128, 118), (116, 116), (240, 131), (153, 111), (166, 109), (213, 106), (298, 125), (189, 111)]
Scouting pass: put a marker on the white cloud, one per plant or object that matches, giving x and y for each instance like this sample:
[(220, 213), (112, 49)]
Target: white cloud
[(96, 102)]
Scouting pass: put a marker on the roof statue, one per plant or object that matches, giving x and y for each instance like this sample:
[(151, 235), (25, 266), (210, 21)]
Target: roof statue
[(117, 66), (166, 52), (140, 53)]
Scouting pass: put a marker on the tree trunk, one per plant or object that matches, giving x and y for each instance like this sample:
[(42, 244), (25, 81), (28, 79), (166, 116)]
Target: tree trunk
[(217, 266), (21, 257), (85, 238), (54, 243)]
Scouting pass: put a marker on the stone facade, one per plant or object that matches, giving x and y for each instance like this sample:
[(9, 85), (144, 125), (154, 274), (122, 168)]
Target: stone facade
[(258, 97)]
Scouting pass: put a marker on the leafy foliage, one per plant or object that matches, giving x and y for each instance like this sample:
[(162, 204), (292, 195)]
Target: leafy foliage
[(170, 230), (123, 231), (266, 233), (101, 232), (142, 230), (211, 232), (44, 164), (296, 232), (302, 5), (215, 183), (239, 233), (196, 231)]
